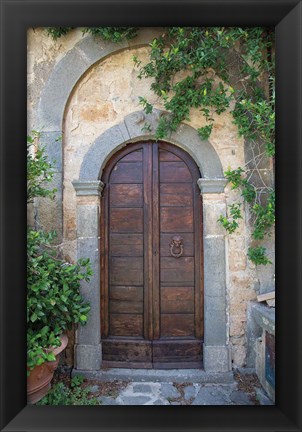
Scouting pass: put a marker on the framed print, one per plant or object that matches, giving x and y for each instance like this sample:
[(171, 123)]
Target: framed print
[(161, 237)]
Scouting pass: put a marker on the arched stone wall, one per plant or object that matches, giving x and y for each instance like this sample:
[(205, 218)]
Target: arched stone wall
[(72, 67), (52, 108), (130, 130), (56, 94), (89, 188)]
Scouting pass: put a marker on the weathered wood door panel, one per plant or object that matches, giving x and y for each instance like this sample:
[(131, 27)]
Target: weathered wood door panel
[(152, 285)]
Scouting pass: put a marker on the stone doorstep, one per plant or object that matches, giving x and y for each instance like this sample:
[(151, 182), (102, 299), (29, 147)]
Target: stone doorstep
[(158, 375)]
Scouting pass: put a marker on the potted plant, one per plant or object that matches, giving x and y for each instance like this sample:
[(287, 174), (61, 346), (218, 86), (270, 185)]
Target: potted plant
[(54, 302)]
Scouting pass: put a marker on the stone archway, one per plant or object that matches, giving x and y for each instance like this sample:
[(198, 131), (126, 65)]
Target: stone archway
[(88, 190), (54, 100)]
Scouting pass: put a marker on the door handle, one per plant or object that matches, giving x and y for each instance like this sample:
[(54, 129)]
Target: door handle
[(176, 246)]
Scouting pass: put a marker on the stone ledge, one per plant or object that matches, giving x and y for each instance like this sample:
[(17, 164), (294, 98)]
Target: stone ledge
[(157, 375), (85, 188), (214, 185), (264, 316)]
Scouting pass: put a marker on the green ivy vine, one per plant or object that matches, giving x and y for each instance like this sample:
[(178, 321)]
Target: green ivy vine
[(214, 69), (114, 34)]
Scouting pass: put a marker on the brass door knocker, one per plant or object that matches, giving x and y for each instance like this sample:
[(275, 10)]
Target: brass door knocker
[(176, 246)]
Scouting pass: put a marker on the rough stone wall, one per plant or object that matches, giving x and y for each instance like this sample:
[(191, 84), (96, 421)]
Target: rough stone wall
[(42, 55), (106, 93)]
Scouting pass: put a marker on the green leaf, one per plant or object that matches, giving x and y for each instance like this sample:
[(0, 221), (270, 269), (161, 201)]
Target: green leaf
[(205, 132), (258, 255), (51, 357), (33, 317), (40, 361)]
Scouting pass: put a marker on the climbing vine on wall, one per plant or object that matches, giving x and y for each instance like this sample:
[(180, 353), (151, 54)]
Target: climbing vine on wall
[(114, 34), (214, 69)]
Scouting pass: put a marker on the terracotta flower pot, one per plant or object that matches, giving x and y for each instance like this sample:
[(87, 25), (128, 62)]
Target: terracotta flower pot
[(38, 382)]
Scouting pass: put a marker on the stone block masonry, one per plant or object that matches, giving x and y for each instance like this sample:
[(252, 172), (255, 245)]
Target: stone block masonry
[(87, 91)]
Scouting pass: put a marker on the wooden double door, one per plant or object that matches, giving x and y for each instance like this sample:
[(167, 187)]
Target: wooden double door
[(152, 280)]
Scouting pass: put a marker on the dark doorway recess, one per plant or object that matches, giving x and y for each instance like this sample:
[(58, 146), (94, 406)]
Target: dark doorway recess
[(152, 260)]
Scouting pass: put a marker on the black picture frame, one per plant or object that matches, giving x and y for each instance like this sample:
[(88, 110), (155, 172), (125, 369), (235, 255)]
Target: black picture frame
[(16, 17)]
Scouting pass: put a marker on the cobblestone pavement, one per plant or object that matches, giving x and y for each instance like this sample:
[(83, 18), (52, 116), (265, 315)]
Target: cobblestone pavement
[(163, 393)]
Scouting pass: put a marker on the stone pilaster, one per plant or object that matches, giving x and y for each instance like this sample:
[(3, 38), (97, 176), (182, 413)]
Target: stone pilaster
[(88, 351), (216, 350)]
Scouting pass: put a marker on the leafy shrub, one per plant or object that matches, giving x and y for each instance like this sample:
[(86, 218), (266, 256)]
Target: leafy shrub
[(60, 394), (39, 170), (54, 302)]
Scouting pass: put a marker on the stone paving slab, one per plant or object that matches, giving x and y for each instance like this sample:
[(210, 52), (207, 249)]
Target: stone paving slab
[(175, 387), (191, 391), (238, 397), (141, 388), (156, 393), (213, 395), (168, 391), (105, 400), (263, 397)]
